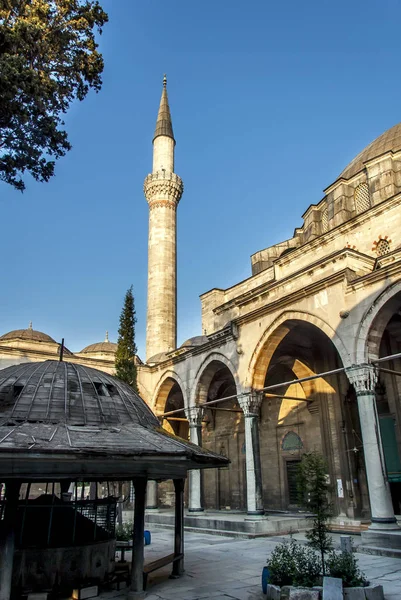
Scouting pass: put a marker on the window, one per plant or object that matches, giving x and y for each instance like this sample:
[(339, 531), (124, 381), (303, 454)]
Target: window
[(325, 220), (291, 441), (292, 471), (362, 197)]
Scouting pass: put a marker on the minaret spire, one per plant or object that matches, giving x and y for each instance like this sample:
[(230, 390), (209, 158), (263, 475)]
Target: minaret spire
[(164, 124), (163, 190)]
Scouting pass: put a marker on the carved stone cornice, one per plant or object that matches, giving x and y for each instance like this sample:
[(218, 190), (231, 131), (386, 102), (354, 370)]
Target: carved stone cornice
[(194, 414), (363, 378), (162, 187), (250, 403)]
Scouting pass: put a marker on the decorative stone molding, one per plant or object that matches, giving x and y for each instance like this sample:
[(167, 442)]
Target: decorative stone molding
[(250, 403), (363, 378), (194, 415), (163, 187)]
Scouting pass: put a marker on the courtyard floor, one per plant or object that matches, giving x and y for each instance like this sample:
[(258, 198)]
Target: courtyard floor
[(230, 568)]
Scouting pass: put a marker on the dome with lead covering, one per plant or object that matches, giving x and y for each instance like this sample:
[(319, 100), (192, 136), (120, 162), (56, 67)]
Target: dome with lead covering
[(389, 141), (28, 335)]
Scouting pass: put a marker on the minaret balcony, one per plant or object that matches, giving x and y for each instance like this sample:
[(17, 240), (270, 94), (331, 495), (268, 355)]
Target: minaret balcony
[(163, 185)]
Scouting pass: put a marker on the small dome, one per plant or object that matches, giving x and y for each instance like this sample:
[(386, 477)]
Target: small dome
[(29, 334), (101, 347), (197, 340), (105, 347), (388, 141)]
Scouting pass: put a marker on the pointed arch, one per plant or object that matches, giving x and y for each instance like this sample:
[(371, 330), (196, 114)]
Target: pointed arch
[(374, 322), (205, 373), (276, 332), (164, 387)]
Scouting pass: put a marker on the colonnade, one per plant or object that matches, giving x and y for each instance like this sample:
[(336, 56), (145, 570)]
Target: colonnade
[(363, 378)]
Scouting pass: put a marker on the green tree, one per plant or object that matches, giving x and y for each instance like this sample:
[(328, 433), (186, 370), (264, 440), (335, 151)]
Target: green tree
[(313, 488), (126, 348), (48, 59)]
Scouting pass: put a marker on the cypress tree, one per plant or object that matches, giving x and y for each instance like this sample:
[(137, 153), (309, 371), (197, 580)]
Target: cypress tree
[(126, 348)]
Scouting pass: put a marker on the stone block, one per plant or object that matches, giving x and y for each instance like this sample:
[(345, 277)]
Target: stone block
[(272, 592), (319, 588), (332, 588), (374, 592), (354, 593), (86, 592), (289, 592), (346, 543)]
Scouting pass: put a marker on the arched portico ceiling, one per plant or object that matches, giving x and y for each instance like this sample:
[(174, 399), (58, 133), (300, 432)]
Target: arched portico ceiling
[(374, 322), (277, 332), (205, 374)]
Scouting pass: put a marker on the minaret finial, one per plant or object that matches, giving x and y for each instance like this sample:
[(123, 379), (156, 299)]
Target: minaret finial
[(30, 325), (106, 339), (165, 80)]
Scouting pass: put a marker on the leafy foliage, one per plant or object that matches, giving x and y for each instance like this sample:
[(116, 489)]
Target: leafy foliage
[(293, 564), (344, 565), (126, 348), (48, 58), (124, 532), (314, 490)]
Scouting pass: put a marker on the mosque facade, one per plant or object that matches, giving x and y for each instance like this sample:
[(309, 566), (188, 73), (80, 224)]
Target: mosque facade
[(303, 355)]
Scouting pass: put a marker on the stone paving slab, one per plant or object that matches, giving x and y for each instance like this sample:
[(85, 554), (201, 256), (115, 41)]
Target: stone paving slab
[(228, 568)]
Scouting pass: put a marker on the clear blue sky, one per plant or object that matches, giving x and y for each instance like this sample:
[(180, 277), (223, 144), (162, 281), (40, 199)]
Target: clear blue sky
[(270, 100)]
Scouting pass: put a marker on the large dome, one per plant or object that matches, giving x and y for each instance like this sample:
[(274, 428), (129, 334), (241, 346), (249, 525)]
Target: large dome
[(29, 334), (388, 141)]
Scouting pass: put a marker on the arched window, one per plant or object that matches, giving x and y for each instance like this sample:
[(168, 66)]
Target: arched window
[(291, 441), (362, 197)]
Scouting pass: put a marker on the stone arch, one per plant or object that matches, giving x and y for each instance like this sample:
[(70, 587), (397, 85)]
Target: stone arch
[(164, 387), (374, 322), (276, 332), (206, 371)]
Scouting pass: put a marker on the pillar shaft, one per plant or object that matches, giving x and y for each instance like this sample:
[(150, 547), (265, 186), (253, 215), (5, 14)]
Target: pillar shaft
[(250, 405), (7, 540), (151, 495), (364, 379), (194, 415), (178, 565), (137, 537)]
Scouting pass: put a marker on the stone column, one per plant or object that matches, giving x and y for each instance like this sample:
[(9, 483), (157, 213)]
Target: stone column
[(136, 588), (364, 379), (178, 565), (250, 404), (151, 495), (194, 415), (7, 539)]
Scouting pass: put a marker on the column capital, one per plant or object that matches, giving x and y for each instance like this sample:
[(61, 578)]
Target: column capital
[(194, 414), (250, 403), (363, 377)]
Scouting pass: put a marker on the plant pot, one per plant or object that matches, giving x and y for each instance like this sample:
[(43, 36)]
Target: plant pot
[(265, 579)]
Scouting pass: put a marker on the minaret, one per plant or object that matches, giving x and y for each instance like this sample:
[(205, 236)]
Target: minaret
[(163, 190)]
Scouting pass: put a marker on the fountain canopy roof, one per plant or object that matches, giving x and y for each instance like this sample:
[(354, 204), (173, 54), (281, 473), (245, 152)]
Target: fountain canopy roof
[(97, 423)]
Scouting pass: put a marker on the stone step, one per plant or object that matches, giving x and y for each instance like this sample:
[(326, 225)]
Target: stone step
[(379, 551)]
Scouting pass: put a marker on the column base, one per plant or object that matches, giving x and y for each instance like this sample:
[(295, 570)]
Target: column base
[(255, 513), (384, 525), (196, 510), (381, 539), (152, 508)]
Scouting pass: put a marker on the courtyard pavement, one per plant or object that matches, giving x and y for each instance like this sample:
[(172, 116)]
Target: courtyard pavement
[(226, 568)]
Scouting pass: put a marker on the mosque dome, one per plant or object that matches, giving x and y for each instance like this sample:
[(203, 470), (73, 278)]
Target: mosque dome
[(105, 347), (28, 335), (389, 141), (197, 340)]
